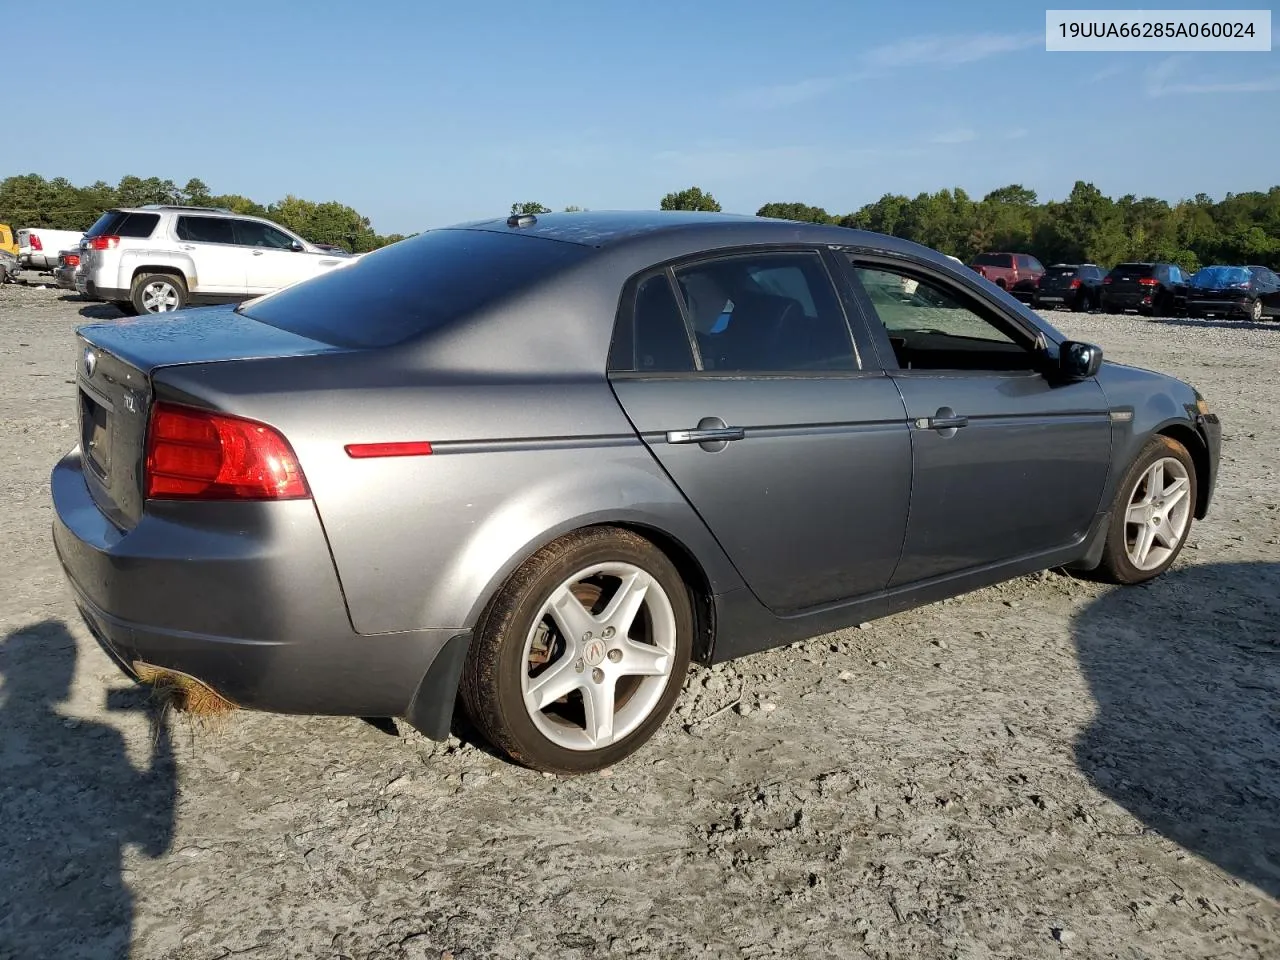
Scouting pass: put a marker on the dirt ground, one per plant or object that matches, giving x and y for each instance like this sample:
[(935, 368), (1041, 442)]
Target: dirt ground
[(1048, 768)]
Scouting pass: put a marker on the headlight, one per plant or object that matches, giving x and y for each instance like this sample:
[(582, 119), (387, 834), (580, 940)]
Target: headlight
[(1202, 406)]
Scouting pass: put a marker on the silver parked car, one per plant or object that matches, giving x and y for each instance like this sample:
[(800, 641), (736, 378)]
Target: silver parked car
[(544, 462)]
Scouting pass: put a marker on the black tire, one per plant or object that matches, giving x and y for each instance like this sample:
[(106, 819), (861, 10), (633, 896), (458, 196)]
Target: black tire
[(490, 688), (144, 283), (1082, 302), (1116, 565)]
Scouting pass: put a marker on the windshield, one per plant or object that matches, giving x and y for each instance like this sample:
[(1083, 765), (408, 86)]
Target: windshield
[(994, 260), (1217, 277)]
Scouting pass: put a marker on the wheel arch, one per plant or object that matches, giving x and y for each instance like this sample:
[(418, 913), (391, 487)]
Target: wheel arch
[(1185, 434), (172, 269)]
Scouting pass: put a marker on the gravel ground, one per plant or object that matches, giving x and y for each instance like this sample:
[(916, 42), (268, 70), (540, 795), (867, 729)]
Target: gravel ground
[(1045, 768)]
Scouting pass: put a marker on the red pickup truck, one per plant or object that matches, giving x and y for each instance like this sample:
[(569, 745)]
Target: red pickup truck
[(1016, 272)]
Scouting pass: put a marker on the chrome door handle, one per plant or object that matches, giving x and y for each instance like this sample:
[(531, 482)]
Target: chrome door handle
[(257, 253), (942, 423), (945, 420), (707, 435)]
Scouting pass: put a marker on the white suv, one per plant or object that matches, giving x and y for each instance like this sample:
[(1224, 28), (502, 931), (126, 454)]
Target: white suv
[(158, 258)]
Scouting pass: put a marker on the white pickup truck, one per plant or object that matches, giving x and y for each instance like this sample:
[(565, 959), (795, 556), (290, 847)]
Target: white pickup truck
[(38, 247)]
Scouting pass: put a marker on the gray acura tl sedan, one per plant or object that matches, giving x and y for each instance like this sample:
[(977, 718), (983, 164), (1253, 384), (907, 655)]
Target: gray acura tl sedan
[(542, 463)]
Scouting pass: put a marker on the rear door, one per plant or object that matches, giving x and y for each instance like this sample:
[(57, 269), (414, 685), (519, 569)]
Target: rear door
[(220, 265), (1006, 464), (740, 374)]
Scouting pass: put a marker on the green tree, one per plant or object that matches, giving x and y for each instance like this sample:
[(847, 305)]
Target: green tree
[(795, 211), (691, 199), (520, 209)]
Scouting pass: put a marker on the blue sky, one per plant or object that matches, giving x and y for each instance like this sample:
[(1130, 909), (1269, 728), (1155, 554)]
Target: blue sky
[(423, 113)]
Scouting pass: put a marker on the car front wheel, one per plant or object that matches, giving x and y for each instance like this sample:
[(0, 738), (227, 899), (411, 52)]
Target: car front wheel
[(1152, 514), (581, 655)]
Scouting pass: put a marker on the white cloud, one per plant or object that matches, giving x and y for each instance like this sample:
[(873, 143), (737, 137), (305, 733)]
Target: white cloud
[(1160, 82), (955, 136), (937, 51), (1106, 73)]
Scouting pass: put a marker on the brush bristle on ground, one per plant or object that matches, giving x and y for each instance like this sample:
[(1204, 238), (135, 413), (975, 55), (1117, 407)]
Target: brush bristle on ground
[(184, 694)]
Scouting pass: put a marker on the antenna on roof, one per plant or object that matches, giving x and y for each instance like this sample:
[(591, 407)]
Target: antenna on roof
[(521, 220)]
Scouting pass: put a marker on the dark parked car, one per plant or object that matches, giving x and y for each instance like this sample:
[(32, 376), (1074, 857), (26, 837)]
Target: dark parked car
[(545, 461), (1015, 272), (1252, 292), (1158, 289), (65, 273), (1074, 285)]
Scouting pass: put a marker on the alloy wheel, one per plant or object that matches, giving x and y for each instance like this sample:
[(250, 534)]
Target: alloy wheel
[(159, 296), (599, 656), (1158, 514)]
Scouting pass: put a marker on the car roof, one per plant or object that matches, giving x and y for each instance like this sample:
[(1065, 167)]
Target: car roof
[(608, 229)]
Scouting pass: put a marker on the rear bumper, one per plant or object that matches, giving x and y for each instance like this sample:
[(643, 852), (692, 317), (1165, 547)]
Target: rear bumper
[(244, 598), (86, 287), (1229, 308)]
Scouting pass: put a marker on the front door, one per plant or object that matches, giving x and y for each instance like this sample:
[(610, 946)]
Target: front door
[(741, 377), (273, 263), (1007, 464)]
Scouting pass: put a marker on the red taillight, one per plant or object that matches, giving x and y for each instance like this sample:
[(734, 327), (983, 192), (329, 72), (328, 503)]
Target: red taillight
[(197, 455), (1075, 283), (1106, 279), (1148, 282), (104, 243), (33, 240), (72, 260)]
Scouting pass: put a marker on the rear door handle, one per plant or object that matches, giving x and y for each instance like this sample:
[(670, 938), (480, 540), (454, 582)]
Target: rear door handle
[(942, 423), (707, 435), (946, 421), (711, 433), (257, 253)]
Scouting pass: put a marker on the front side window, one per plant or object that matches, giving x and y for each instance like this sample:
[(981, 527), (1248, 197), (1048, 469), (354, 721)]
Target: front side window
[(766, 313), (251, 233), (935, 327)]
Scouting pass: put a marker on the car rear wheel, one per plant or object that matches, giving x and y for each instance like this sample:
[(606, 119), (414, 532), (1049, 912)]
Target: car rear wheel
[(1152, 514), (580, 656), (158, 293)]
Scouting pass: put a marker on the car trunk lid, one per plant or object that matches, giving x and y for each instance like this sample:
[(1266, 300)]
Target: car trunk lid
[(115, 364)]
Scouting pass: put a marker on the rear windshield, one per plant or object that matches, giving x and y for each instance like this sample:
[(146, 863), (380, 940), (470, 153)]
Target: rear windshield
[(1133, 270), (413, 286), (1210, 277), (994, 260), (1061, 271), (114, 223)]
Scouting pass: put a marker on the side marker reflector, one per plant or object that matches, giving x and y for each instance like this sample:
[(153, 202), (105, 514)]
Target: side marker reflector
[(407, 448)]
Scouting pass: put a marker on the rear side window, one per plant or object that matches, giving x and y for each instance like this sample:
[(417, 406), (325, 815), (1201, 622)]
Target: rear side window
[(994, 260), (205, 230), (766, 313), (115, 223), (414, 286), (653, 337)]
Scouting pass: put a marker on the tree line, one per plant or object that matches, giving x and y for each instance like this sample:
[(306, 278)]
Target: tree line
[(1087, 226)]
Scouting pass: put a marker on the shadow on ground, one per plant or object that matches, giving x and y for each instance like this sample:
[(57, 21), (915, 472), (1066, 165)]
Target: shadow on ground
[(70, 801), (1223, 323), (1186, 674), (101, 311)]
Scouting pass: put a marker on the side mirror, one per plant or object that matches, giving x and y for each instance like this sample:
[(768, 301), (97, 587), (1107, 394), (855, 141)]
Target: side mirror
[(296, 247), (1079, 361)]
